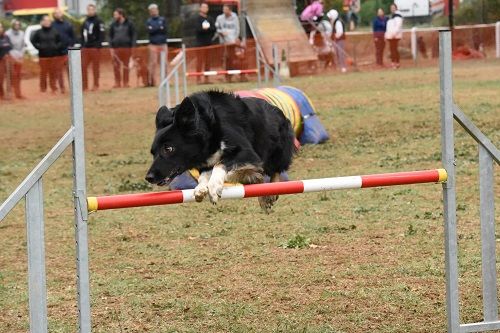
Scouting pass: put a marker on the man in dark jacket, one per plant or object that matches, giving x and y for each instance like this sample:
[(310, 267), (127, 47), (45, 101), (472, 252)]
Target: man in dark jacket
[(205, 30), (157, 30), (122, 38), (92, 38), (5, 47), (48, 43), (65, 30)]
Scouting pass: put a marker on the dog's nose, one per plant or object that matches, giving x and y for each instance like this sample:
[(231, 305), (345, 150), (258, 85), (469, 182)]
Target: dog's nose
[(150, 177)]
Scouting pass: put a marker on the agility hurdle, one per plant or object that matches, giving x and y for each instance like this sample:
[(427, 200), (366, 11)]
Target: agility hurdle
[(228, 72), (258, 190), (31, 190)]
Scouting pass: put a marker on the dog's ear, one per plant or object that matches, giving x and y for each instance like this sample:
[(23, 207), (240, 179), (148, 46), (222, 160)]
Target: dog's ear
[(164, 117), (186, 116)]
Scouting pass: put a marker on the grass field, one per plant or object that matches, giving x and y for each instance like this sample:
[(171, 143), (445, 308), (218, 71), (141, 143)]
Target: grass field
[(366, 260)]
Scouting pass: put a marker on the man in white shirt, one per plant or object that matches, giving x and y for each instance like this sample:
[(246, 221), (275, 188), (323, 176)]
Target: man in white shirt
[(338, 37)]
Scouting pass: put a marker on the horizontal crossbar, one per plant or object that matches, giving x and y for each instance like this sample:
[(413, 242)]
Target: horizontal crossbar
[(480, 327), (228, 72), (258, 190)]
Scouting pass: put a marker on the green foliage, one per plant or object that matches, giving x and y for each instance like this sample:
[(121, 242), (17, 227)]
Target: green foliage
[(296, 242), (478, 11)]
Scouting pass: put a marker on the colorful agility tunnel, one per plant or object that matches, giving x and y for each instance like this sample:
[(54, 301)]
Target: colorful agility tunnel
[(296, 107)]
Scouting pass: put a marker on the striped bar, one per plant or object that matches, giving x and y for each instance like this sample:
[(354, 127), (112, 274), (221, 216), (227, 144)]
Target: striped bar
[(228, 72), (257, 190)]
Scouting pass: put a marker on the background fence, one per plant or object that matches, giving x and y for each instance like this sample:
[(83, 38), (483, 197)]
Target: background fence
[(418, 47)]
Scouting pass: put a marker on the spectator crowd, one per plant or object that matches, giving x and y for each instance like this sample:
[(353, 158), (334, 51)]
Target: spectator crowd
[(57, 35)]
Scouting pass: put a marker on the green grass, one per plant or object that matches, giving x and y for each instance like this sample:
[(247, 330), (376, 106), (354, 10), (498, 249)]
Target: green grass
[(353, 261)]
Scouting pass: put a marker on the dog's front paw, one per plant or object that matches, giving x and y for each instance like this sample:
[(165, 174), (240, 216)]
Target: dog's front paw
[(215, 192), (200, 192)]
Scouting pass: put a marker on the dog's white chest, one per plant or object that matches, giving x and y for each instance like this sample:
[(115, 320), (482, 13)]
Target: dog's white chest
[(216, 157)]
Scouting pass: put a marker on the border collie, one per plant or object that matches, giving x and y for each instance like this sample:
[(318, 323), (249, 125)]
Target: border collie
[(225, 137)]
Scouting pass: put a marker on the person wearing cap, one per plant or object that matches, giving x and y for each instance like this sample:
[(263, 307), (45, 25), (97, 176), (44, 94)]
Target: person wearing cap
[(158, 33), (338, 35), (16, 37)]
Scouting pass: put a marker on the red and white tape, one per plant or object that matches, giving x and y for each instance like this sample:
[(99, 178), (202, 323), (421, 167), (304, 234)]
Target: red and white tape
[(228, 72)]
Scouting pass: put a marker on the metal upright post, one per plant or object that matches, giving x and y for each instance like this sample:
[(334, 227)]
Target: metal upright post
[(276, 78), (79, 191), (488, 242), (243, 21), (37, 287), (449, 197), (184, 70), (497, 39), (163, 65), (176, 86), (414, 48)]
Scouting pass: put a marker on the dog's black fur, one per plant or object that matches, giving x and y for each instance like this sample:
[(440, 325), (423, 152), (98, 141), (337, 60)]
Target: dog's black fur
[(214, 127)]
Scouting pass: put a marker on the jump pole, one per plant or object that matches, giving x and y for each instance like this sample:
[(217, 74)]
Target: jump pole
[(280, 188)]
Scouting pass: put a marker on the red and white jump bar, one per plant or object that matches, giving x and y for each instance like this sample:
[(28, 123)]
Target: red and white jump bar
[(258, 190), (228, 72)]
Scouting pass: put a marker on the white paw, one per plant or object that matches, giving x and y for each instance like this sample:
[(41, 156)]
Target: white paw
[(200, 192), (215, 191)]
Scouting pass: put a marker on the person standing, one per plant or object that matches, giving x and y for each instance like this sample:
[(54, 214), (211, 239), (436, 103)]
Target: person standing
[(338, 36), (394, 33), (228, 30), (5, 48), (352, 14), (122, 39), (92, 37), (157, 30), (205, 29), (379, 27), (48, 43), (16, 37), (65, 30)]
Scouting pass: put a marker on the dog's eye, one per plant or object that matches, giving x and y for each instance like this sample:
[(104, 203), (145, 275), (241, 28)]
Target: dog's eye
[(168, 150)]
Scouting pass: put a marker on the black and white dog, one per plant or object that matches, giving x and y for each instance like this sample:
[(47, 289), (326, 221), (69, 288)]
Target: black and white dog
[(226, 138)]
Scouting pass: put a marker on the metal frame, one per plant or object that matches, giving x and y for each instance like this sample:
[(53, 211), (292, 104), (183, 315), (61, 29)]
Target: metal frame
[(488, 154), (164, 93), (164, 87), (31, 189)]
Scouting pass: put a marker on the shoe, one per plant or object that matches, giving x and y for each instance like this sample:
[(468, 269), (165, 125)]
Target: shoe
[(116, 86), (95, 88), (20, 97), (126, 86)]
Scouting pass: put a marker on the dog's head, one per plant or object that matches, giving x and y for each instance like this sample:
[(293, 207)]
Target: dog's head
[(178, 142)]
